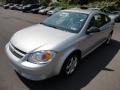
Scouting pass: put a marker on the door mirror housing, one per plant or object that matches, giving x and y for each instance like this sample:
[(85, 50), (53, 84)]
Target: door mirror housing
[(93, 30)]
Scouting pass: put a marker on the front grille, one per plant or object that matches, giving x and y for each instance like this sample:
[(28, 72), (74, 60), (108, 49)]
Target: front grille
[(18, 49), (14, 51)]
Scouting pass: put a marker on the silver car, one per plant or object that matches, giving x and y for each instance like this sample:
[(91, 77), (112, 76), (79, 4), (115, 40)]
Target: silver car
[(56, 45), (51, 12), (45, 10), (114, 15)]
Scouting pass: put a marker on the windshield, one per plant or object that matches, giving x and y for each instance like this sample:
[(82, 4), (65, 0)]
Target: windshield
[(57, 8), (67, 21)]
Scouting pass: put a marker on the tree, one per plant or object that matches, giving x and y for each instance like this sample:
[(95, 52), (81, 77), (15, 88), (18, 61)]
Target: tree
[(29, 1), (13, 1), (44, 2)]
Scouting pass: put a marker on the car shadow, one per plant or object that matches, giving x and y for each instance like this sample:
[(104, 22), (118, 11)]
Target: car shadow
[(88, 69)]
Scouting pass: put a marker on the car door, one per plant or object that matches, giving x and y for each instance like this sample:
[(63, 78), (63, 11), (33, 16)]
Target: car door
[(105, 28), (93, 40)]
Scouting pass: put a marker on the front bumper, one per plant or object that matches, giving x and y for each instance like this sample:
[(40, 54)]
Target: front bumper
[(29, 70)]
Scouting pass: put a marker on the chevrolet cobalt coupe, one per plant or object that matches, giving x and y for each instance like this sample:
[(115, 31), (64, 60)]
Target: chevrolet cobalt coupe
[(56, 45)]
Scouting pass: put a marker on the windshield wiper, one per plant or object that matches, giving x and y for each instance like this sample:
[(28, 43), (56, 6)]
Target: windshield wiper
[(48, 25), (52, 26)]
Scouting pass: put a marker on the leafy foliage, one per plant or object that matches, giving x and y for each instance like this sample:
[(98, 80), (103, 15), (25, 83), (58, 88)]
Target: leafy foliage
[(105, 4), (109, 4)]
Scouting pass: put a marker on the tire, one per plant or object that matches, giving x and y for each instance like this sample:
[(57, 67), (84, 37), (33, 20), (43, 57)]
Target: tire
[(70, 65), (107, 42)]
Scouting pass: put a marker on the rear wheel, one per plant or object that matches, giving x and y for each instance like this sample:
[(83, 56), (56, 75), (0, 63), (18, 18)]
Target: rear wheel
[(70, 65), (109, 38)]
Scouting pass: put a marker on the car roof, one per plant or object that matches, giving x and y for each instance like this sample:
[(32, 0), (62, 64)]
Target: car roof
[(85, 11)]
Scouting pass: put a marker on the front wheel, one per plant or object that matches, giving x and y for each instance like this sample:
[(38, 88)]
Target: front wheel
[(70, 65)]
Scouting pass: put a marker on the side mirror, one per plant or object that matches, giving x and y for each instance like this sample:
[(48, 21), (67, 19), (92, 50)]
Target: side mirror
[(117, 20), (93, 30)]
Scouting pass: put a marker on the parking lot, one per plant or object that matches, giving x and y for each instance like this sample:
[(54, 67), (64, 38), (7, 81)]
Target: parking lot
[(98, 71)]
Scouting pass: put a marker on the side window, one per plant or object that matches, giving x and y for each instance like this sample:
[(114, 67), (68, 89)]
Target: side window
[(96, 21), (92, 23), (107, 19), (99, 20)]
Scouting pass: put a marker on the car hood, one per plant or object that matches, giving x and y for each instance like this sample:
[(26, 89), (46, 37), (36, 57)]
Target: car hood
[(37, 36)]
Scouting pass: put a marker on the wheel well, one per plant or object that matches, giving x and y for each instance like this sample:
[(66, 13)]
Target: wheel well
[(77, 52)]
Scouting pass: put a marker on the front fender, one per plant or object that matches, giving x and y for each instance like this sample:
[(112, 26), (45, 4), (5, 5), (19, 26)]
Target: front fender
[(63, 57)]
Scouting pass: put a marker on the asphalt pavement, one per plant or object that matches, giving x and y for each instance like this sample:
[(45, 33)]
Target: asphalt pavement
[(100, 70)]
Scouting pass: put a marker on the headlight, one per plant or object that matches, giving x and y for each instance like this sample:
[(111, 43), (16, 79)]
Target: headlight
[(41, 57)]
